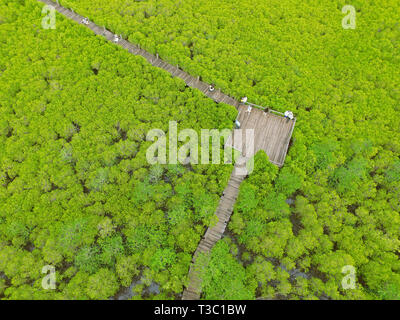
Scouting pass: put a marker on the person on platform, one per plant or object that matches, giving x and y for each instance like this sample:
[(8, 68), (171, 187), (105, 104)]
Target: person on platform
[(289, 115)]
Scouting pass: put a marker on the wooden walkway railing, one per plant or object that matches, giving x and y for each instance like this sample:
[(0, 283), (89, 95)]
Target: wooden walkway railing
[(263, 108)]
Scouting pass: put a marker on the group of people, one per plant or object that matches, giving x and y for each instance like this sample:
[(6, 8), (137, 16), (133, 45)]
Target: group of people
[(288, 114), (86, 22)]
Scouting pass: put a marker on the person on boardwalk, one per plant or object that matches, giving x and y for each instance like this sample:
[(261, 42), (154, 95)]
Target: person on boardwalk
[(237, 124), (289, 115)]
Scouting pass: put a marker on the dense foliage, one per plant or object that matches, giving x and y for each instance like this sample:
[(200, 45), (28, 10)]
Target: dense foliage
[(76, 191), (342, 171), (298, 250), (224, 277), (283, 54)]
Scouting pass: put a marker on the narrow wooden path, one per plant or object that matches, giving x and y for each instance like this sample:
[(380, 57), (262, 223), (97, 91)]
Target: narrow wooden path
[(272, 134), (175, 71), (213, 234)]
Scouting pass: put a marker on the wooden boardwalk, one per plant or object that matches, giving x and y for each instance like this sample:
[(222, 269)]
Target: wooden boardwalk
[(213, 234), (175, 71), (272, 134)]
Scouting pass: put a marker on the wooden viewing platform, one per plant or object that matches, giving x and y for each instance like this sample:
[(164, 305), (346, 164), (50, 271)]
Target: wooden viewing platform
[(272, 133)]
